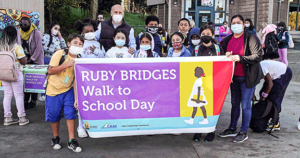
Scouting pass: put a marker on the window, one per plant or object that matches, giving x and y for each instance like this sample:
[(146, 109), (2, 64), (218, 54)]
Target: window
[(294, 15), (220, 5), (190, 5), (205, 3), (190, 15), (219, 17)]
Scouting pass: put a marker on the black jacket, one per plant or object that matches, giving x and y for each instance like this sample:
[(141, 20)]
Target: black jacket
[(251, 59)]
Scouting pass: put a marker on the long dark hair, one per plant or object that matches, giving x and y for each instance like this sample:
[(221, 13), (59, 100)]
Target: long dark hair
[(148, 36), (251, 27), (282, 24), (79, 25), (9, 37), (50, 33), (204, 27), (238, 16)]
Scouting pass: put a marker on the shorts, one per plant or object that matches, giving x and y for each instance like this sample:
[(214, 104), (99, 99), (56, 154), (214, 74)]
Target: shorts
[(55, 105)]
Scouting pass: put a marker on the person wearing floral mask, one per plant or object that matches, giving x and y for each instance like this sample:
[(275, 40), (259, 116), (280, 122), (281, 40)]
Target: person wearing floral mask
[(91, 47), (52, 42), (119, 51), (106, 30), (61, 94), (245, 50), (177, 49), (146, 47)]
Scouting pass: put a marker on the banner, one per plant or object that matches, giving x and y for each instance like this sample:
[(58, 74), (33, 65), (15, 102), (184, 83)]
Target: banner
[(34, 78), (121, 97)]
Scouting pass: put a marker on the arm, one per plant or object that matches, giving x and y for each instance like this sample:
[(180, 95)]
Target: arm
[(137, 40), (52, 70), (98, 32), (268, 79), (255, 49), (45, 42), (63, 44), (38, 47), (158, 46), (287, 38), (132, 41)]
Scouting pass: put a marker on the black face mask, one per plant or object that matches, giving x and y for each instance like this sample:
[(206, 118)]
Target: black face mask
[(160, 29), (25, 28), (206, 39)]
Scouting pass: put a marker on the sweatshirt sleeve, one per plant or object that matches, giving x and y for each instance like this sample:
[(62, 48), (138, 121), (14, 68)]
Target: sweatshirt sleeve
[(45, 43)]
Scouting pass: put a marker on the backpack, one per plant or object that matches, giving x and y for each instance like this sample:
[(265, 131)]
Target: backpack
[(8, 67), (271, 44), (262, 112), (291, 42), (216, 46)]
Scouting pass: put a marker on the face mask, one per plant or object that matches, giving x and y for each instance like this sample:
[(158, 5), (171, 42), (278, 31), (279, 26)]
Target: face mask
[(196, 42), (225, 26), (89, 36), (120, 43), (75, 50), (117, 18), (54, 32), (247, 25), (237, 28), (152, 29), (145, 47), (280, 28), (160, 29), (177, 45), (26, 28), (206, 39)]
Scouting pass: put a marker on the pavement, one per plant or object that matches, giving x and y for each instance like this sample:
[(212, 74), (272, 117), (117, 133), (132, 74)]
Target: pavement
[(33, 140)]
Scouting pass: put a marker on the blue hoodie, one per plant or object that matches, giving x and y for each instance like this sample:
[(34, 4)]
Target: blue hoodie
[(194, 31), (184, 52)]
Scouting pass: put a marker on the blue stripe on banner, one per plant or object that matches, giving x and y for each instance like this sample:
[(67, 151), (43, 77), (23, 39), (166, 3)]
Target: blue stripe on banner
[(147, 124)]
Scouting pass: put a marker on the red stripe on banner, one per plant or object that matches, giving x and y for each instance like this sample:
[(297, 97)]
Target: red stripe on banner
[(222, 71)]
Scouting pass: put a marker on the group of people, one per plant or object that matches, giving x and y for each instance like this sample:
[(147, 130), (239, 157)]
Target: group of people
[(114, 38)]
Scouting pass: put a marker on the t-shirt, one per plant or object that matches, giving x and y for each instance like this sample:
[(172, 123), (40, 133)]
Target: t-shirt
[(63, 81), (116, 52), (176, 54), (237, 46), (19, 52), (87, 53), (274, 68)]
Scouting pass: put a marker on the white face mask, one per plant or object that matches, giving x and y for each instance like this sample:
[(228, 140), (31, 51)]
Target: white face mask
[(75, 50), (117, 18), (247, 25), (196, 42), (89, 36), (225, 26), (54, 32)]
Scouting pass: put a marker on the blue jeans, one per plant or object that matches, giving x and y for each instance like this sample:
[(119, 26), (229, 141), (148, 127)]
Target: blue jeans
[(240, 94)]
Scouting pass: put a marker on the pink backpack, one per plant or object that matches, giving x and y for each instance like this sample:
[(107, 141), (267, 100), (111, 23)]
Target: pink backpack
[(8, 67)]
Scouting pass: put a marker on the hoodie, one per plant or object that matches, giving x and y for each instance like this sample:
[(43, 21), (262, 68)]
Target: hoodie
[(194, 31)]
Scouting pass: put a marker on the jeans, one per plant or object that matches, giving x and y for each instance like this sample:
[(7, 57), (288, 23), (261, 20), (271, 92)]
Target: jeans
[(283, 56), (16, 89), (240, 94)]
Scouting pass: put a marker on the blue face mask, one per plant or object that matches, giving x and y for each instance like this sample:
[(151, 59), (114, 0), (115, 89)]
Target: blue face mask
[(280, 28), (120, 43), (237, 28), (145, 47)]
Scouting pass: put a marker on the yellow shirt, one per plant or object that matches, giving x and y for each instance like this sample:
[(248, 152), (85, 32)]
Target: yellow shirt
[(63, 81), (19, 52)]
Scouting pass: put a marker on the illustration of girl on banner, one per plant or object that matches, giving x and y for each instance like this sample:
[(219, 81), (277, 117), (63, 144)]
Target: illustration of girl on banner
[(197, 97)]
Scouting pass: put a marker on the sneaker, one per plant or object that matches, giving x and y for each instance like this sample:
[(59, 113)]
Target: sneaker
[(55, 143), (73, 145), (27, 106), (276, 127), (82, 133), (298, 125), (241, 137), (10, 121), (205, 121), (190, 121), (23, 121), (32, 104), (228, 133), (41, 98), (209, 137), (197, 137)]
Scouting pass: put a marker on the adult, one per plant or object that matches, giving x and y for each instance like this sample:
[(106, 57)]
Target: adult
[(106, 30), (284, 42), (9, 38), (224, 31), (184, 27), (151, 25), (100, 18), (29, 37), (249, 26), (52, 41), (245, 50)]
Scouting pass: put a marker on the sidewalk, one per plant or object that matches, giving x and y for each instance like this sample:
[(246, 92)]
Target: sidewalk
[(33, 140)]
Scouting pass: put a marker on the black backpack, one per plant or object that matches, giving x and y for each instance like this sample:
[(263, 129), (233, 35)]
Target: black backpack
[(262, 112), (271, 44)]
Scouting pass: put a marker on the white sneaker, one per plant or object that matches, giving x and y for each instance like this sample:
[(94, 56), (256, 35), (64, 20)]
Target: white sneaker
[(82, 133), (298, 125), (190, 121), (41, 98), (205, 121)]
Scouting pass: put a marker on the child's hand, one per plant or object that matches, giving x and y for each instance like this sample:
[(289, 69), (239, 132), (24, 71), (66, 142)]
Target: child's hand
[(70, 63), (93, 48), (131, 50), (76, 105)]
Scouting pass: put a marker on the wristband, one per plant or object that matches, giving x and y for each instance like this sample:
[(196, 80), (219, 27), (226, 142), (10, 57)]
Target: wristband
[(265, 95)]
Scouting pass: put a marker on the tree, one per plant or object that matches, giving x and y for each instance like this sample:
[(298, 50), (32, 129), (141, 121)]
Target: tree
[(94, 9), (105, 5), (141, 6)]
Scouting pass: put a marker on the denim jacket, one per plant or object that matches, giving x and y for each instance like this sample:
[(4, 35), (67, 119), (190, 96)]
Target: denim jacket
[(184, 52)]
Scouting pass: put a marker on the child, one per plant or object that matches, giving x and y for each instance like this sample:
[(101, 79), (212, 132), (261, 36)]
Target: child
[(224, 31), (119, 51), (271, 40), (146, 47), (184, 27), (277, 78), (9, 36), (194, 38), (59, 91), (91, 47), (178, 50), (284, 37)]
